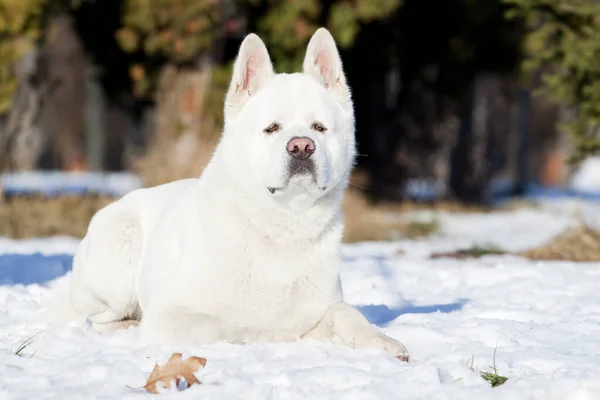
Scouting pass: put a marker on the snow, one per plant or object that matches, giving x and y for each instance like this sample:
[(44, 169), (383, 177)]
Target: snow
[(542, 318), (51, 183), (587, 177), (45, 246)]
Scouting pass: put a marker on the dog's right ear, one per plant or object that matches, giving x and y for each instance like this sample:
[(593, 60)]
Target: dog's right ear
[(251, 70)]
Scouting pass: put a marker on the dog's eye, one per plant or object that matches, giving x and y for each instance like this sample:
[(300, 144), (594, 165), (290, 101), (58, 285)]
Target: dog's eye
[(274, 127), (317, 126)]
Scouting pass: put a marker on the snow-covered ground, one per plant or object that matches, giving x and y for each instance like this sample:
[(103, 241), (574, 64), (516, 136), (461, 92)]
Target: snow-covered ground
[(542, 317), (587, 177), (52, 183)]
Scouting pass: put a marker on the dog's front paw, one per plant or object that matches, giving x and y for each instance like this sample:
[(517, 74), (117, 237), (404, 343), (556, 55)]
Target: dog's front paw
[(380, 341)]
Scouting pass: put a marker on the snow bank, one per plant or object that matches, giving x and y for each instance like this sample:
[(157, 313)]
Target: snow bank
[(51, 183), (587, 176), (542, 317)]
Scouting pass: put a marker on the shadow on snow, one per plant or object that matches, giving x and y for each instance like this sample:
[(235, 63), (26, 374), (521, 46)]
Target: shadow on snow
[(381, 314), (27, 269)]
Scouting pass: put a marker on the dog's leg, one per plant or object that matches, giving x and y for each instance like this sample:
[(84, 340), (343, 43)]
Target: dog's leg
[(109, 321), (111, 327), (346, 325), (181, 327), (105, 267)]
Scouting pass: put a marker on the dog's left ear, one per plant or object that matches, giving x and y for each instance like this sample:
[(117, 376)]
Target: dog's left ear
[(323, 62), (252, 69)]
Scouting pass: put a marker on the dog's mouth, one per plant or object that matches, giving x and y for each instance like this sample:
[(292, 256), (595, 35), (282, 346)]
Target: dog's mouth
[(302, 173), (274, 190)]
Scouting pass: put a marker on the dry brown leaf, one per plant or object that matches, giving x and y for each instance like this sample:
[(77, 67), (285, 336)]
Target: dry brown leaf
[(175, 369)]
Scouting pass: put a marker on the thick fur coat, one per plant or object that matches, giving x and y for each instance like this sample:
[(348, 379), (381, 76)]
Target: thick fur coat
[(250, 250)]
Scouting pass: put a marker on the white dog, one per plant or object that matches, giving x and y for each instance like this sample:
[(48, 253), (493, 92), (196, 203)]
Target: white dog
[(250, 250)]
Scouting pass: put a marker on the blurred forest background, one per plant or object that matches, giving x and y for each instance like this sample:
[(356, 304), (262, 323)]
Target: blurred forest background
[(456, 100)]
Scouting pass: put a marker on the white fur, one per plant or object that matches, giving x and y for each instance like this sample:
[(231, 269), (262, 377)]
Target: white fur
[(221, 258)]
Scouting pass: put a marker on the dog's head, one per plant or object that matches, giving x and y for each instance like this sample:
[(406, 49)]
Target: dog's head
[(289, 137)]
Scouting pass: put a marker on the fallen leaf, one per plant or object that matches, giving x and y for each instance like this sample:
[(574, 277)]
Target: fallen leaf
[(176, 371)]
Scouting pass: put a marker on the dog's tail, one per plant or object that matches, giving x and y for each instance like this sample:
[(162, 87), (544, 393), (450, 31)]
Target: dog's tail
[(60, 310)]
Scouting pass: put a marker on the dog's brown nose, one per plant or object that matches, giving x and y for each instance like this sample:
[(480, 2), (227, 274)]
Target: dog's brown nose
[(301, 147)]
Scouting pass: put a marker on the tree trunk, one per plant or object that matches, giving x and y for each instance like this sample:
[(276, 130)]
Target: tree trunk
[(44, 127), (481, 151), (63, 118), (95, 112), (469, 167), (21, 140), (184, 135), (461, 164), (522, 132)]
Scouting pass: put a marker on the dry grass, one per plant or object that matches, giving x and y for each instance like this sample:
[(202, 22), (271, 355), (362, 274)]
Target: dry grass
[(473, 252), (580, 243), (30, 216), (367, 222), (22, 217)]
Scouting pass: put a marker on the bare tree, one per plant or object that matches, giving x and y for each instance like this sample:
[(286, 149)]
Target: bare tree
[(21, 140)]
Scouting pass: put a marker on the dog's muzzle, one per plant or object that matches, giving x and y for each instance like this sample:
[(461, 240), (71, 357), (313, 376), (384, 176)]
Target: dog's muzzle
[(300, 150)]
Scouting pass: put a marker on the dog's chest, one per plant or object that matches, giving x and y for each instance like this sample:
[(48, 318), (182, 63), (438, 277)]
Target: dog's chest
[(274, 291)]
